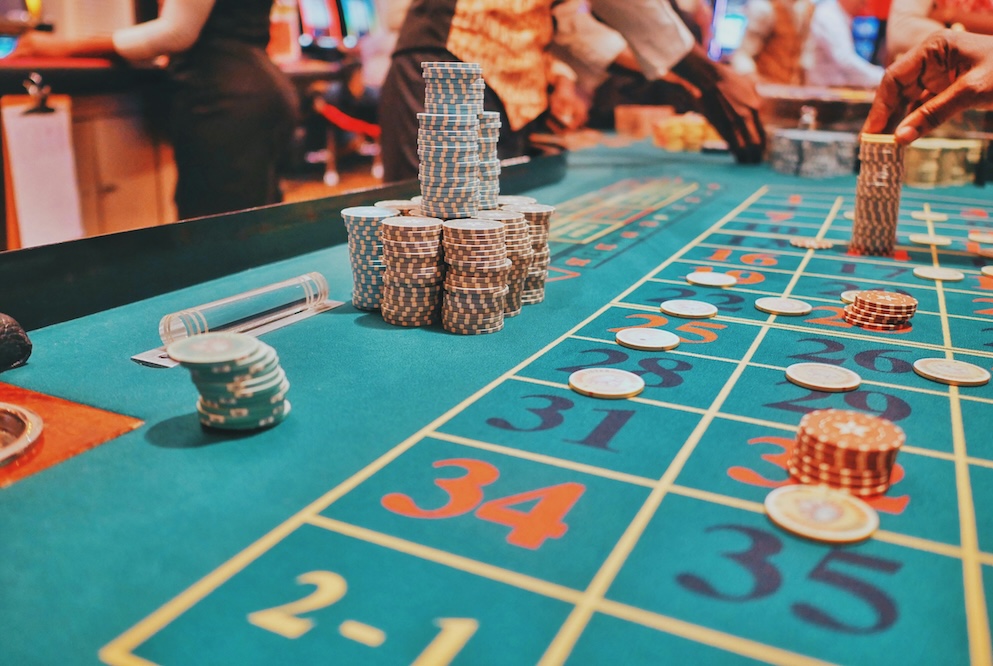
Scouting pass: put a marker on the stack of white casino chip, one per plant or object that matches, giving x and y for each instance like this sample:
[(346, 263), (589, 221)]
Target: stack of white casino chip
[(448, 139), (518, 239), (365, 252), (539, 217), (476, 281), (240, 381), (414, 272), (489, 161)]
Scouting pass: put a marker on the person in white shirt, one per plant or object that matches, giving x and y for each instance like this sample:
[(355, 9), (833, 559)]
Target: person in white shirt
[(800, 42), (829, 56)]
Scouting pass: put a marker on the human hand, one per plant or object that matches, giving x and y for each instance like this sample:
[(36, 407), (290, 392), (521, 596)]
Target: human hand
[(949, 72), (35, 44), (566, 106), (729, 101)]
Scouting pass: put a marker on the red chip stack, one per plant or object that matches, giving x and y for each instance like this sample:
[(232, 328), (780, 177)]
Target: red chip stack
[(847, 450), (881, 310)]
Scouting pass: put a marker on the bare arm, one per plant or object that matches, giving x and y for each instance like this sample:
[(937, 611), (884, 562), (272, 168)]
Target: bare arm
[(176, 30)]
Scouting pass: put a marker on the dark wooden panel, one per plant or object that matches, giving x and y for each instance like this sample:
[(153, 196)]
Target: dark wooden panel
[(55, 283)]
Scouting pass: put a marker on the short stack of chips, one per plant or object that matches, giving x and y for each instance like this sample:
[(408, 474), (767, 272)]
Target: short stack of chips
[(848, 450), (881, 310), (539, 217), (365, 253), (448, 139), (877, 195), (812, 153), (519, 251), (414, 272), (240, 381), (476, 281), (489, 161)]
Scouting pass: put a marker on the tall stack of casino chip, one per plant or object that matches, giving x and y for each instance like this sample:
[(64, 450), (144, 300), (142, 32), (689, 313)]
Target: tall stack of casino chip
[(539, 217), (476, 281), (448, 139), (365, 252), (240, 381), (847, 450), (519, 251), (489, 161), (877, 195), (881, 310), (414, 270)]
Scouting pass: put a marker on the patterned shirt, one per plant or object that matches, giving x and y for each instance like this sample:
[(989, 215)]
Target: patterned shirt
[(506, 37)]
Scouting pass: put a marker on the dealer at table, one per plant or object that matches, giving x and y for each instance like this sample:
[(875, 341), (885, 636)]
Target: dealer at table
[(232, 110)]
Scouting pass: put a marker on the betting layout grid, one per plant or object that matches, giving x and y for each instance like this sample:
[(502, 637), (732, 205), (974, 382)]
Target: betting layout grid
[(726, 444)]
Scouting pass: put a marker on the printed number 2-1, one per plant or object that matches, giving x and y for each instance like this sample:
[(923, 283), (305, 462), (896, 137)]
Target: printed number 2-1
[(331, 587)]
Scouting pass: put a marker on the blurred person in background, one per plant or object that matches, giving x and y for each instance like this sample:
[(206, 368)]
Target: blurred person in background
[(801, 42), (231, 110)]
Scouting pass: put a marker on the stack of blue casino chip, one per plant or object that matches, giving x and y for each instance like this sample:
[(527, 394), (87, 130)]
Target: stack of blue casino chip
[(448, 139), (489, 162), (240, 381), (365, 253)]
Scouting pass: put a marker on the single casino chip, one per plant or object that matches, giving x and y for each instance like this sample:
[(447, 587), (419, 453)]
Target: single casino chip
[(823, 377), (811, 243), (987, 271), (886, 302), (948, 371), (937, 273), (647, 339), (930, 239), (20, 428), (929, 216), (849, 296), (980, 236), (609, 383), (213, 348), (711, 279), (688, 309), (783, 306), (821, 514)]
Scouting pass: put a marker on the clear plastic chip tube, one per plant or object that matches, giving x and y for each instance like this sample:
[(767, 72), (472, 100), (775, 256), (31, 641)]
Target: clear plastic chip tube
[(249, 310)]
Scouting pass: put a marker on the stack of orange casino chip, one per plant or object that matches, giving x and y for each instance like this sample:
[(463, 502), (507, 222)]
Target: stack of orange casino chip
[(848, 450), (881, 310)]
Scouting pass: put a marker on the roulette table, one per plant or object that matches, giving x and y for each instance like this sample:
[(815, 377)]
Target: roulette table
[(437, 498)]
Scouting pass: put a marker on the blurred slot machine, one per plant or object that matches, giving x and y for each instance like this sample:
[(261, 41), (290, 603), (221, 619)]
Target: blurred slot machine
[(728, 29), (359, 19), (320, 28)]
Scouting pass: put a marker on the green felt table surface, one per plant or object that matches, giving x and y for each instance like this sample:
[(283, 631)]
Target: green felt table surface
[(448, 497)]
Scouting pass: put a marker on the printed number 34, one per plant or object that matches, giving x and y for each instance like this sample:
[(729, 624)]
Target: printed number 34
[(529, 529)]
